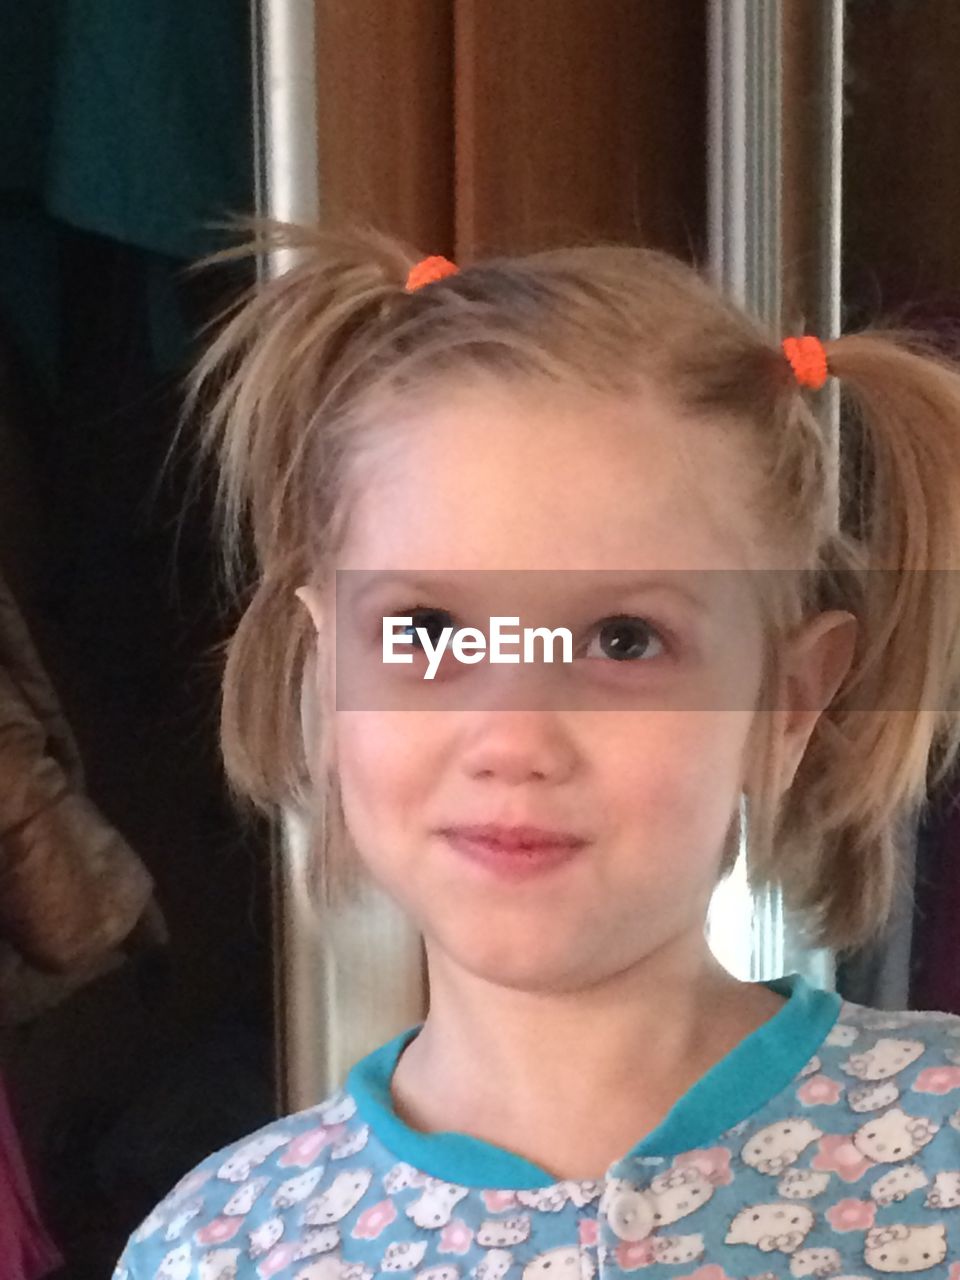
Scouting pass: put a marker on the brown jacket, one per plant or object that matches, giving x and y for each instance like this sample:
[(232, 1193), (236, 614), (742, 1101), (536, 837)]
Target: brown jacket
[(71, 888)]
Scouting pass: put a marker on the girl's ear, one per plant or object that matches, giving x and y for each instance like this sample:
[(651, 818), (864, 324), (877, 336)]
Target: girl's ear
[(309, 597), (320, 739), (818, 659)]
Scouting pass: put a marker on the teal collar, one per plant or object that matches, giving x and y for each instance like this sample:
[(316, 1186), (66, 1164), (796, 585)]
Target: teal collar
[(761, 1066)]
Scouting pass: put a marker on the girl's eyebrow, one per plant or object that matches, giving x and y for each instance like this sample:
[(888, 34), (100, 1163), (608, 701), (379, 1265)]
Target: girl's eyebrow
[(371, 581)]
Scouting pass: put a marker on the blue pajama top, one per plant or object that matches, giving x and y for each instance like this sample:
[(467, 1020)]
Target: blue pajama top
[(827, 1143)]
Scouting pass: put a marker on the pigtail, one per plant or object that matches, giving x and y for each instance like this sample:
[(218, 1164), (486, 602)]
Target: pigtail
[(264, 394), (892, 732)]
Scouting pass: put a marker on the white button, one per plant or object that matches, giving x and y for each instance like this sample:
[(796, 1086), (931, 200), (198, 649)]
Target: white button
[(630, 1216)]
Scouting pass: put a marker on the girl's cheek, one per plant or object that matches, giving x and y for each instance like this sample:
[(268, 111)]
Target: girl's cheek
[(384, 760), (673, 762)]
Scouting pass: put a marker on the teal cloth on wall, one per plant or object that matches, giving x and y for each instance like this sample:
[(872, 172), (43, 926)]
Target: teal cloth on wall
[(150, 125), (130, 119)]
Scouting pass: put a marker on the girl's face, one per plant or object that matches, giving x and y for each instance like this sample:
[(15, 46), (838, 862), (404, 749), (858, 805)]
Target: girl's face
[(647, 766)]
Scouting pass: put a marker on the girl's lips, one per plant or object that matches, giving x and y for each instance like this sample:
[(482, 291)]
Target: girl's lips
[(514, 859), (515, 839)]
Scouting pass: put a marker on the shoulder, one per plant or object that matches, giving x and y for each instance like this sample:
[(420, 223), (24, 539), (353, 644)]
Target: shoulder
[(881, 1043), (882, 1054), (890, 1082), (225, 1214), (866, 1139)]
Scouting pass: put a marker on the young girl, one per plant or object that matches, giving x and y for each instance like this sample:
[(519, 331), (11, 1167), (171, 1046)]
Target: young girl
[(590, 438)]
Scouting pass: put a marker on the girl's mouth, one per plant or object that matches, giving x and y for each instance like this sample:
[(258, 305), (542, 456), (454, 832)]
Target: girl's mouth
[(515, 852)]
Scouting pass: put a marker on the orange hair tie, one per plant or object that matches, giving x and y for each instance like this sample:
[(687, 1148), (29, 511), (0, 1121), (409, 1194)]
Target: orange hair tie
[(808, 359), (428, 270)]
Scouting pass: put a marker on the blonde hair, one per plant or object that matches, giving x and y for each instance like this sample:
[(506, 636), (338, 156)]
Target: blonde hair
[(294, 375)]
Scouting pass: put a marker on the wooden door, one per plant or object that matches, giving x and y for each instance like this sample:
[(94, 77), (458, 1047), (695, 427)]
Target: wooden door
[(473, 127)]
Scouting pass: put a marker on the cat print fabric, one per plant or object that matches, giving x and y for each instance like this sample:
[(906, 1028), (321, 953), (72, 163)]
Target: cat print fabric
[(827, 1144)]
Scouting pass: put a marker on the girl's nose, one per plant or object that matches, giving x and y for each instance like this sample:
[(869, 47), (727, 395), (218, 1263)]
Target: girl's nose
[(519, 746)]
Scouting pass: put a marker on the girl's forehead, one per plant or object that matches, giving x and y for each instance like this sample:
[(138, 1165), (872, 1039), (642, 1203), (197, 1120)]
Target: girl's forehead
[(536, 477)]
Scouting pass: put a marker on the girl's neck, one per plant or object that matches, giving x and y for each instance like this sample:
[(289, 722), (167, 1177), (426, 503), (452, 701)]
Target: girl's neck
[(574, 1094)]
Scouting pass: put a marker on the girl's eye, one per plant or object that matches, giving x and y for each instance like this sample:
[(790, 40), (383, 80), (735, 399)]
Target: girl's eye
[(433, 621), (624, 638)]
